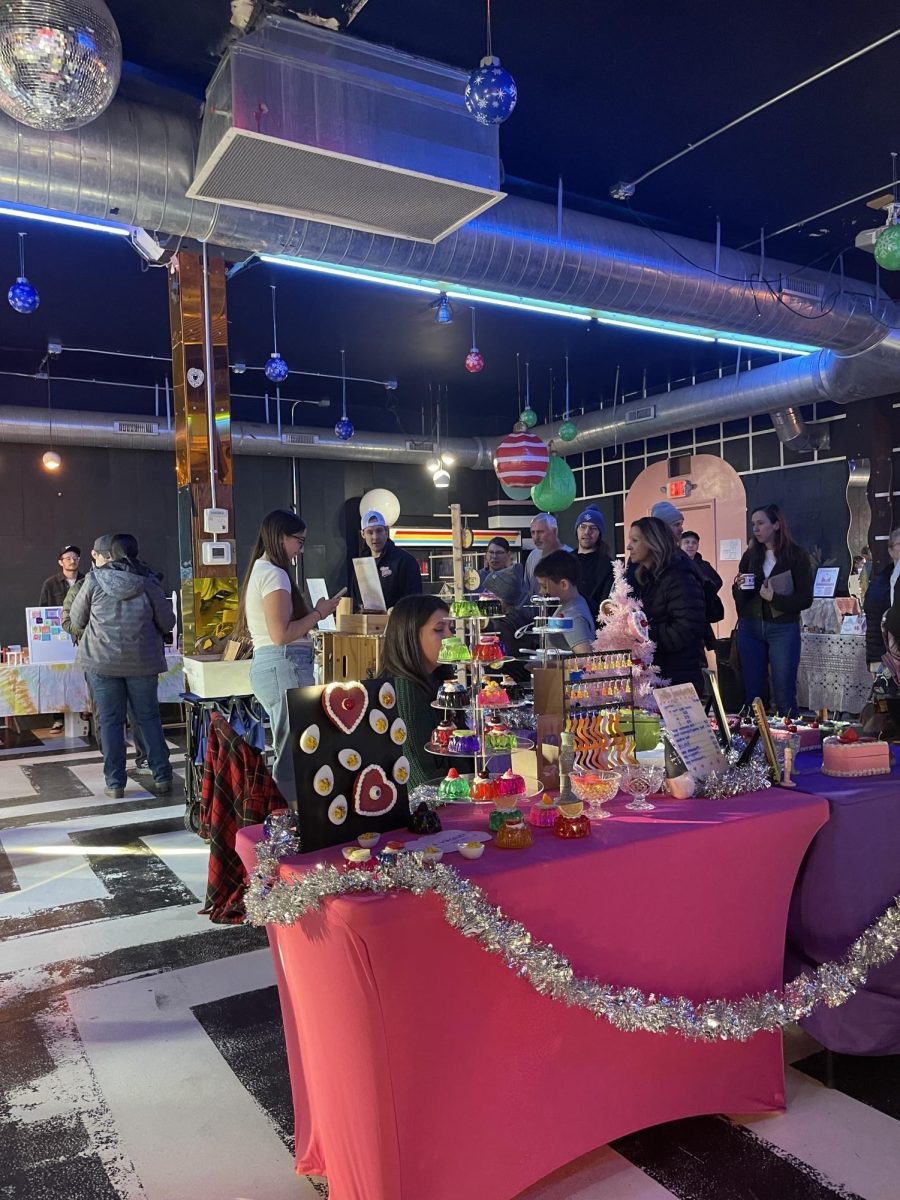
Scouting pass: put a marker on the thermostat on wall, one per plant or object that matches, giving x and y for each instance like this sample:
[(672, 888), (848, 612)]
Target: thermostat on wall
[(215, 520), (215, 554)]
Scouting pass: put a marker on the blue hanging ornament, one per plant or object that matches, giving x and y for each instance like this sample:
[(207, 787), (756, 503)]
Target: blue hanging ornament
[(23, 296), (344, 428), (491, 91), (276, 368)]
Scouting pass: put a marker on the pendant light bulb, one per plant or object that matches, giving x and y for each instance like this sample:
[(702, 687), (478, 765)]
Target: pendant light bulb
[(51, 461), (441, 478)]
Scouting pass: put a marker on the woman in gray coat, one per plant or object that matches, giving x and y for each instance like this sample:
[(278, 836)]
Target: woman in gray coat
[(121, 615)]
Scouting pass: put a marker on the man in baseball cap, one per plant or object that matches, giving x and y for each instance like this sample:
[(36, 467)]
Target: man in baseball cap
[(672, 516), (594, 562), (55, 588), (399, 572)]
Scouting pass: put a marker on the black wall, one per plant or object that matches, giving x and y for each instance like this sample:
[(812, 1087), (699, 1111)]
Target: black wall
[(107, 491)]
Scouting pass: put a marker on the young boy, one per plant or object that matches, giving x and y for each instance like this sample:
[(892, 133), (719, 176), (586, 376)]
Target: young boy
[(557, 575)]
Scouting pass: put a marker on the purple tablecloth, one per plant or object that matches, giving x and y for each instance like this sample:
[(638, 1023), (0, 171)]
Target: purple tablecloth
[(851, 873)]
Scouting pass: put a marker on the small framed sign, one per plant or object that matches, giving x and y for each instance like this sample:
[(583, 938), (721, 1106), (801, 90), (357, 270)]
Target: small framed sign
[(826, 581)]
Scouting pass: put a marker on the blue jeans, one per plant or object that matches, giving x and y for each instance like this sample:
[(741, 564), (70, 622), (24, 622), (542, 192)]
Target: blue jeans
[(113, 695), (274, 670), (775, 644)]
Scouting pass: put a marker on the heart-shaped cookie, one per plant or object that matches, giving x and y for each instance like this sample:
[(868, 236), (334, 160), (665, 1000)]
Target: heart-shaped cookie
[(373, 793), (345, 704)]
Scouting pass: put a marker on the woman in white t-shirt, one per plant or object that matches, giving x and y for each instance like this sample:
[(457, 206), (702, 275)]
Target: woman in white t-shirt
[(274, 615)]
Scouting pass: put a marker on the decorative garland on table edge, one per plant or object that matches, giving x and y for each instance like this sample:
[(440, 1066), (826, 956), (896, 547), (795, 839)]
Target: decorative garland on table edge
[(271, 900)]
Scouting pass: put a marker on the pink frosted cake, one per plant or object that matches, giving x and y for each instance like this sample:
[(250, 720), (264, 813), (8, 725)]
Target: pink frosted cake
[(862, 756), (810, 737)]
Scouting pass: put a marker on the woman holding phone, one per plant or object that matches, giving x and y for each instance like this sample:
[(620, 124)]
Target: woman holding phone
[(275, 616), (773, 586)]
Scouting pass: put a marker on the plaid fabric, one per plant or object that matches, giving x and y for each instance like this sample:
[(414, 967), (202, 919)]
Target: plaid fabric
[(237, 790)]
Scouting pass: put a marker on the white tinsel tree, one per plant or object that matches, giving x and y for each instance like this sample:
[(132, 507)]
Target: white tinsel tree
[(623, 626)]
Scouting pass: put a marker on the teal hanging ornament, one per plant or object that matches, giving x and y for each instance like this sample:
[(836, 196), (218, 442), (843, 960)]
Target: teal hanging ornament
[(528, 417), (568, 430), (556, 491), (887, 244)]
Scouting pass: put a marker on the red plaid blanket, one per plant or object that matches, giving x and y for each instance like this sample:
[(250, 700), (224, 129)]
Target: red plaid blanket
[(237, 790)]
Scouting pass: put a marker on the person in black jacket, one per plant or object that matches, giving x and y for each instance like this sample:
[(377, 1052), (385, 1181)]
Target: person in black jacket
[(769, 608), (398, 571), (55, 588), (671, 593), (712, 584), (595, 569), (878, 599)]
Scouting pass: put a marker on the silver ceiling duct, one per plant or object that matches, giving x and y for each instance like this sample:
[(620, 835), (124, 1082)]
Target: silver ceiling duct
[(134, 164)]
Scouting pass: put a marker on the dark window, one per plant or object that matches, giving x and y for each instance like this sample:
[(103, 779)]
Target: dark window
[(655, 444), (766, 451), (735, 428), (593, 482), (612, 453), (613, 477), (737, 453), (634, 449), (633, 468), (591, 458), (827, 408), (761, 421), (682, 439), (655, 458), (709, 433)]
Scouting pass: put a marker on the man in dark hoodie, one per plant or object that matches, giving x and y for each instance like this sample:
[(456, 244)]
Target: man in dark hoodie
[(594, 560), (121, 615), (398, 571)]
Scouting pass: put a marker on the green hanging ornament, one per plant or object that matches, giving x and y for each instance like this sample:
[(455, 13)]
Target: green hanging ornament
[(887, 244), (556, 491), (528, 417), (568, 431)]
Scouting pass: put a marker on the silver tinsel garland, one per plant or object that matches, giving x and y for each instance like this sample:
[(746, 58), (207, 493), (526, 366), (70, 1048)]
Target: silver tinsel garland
[(271, 900), (736, 781)]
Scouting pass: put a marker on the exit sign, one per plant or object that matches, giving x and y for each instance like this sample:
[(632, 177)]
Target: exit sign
[(679, 489)]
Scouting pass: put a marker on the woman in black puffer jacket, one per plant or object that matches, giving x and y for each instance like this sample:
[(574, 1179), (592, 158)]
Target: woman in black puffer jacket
[(671, 593)]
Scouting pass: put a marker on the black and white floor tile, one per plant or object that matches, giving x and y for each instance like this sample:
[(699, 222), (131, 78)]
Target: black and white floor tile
[(141, 1055)]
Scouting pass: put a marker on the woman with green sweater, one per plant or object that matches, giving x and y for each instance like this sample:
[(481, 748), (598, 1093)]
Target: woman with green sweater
[(412, 642)]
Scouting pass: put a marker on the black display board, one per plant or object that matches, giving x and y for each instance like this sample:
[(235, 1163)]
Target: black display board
[(348, 744)]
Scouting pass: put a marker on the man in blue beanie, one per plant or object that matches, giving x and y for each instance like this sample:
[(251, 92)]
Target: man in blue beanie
[(594, 561)]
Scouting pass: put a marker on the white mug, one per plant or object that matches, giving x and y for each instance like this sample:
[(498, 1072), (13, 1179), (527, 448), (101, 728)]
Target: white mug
[(748, 581)]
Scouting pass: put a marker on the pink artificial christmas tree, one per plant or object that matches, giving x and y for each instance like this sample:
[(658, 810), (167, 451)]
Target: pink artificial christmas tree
[(623, 626)]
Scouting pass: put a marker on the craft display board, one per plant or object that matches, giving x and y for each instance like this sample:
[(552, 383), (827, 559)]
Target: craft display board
[(350, 766), (45, 638)]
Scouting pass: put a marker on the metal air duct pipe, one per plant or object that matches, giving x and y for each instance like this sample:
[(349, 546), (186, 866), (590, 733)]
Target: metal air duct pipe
[(794, 433), (134, 164)]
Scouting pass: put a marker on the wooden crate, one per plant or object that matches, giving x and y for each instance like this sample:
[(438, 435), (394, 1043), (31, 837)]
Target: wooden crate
[(348, 656), (361, 624)]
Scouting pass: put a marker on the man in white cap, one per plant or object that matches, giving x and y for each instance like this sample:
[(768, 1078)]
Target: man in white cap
[(399, 572)]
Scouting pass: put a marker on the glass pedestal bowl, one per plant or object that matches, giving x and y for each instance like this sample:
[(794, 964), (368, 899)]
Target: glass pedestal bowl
[(595, 788)]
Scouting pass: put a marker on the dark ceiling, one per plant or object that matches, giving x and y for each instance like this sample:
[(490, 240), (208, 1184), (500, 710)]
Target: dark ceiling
[(606, 92)]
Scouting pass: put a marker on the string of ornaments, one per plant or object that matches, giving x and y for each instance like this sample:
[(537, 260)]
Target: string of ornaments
[(271, 900)]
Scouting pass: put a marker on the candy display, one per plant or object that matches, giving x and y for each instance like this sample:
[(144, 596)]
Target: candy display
[(543, 814), (510, 784), (513, 834), (453, 786), (492, 695), (509, 685), (484, 788), (464, 741), (454, 695), (500, 815), (498, 737), (443, 732), (850, 755), (453, 650), (465, 608), (424, 821), (572, 822)]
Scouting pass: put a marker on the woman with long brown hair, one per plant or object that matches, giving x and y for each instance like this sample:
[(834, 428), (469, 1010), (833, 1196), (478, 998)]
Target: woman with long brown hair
[(773, 586), (671, 593), (274, 615)]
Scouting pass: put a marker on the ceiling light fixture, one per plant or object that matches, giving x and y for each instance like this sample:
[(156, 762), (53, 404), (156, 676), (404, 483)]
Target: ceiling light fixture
[(549, 308), (51, 216), (441, 478), (443, 310)]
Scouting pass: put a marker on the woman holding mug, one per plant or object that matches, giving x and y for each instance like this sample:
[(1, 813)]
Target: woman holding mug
[(274, 615), (773, 586)]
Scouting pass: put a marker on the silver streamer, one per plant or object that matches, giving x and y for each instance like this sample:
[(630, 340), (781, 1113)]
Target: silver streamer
[(271, 900), (722, 785), (425, 793)]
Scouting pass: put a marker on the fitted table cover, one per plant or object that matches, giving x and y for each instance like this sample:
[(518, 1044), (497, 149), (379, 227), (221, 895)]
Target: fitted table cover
[(30, 688), (848, 878), (833, 672), (423, 1069)]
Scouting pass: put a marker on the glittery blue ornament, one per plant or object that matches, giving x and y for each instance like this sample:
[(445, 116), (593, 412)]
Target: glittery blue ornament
[(276, 368), (344, 429), (23, 297), (491, 92)]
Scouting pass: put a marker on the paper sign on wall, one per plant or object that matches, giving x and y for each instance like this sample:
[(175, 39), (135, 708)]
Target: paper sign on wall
[(730, 550), (689, 728), (826, 581)]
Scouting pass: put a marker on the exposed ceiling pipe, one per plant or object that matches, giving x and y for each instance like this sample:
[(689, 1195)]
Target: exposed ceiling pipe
[(134, 164), (794, 433)]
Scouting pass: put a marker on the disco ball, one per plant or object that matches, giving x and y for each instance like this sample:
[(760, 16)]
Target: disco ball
[(60, 61), (276, 368), (23, 296)]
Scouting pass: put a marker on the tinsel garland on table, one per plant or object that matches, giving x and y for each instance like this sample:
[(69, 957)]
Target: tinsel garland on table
[(736, 781), (271, 900)]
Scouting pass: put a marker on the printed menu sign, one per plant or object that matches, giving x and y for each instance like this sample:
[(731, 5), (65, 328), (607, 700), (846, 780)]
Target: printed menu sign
[(689, 728)]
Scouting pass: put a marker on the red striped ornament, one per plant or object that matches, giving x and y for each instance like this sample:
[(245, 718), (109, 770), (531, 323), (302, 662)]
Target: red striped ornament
[(521, 460)]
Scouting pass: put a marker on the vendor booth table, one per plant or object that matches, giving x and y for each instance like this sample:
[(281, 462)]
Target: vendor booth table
[(423, 1069), (849, 877), (29, 689), (833, 672)]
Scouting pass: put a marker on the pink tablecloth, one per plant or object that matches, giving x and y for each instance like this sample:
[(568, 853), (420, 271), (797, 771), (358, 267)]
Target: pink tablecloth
[(423, 1069)]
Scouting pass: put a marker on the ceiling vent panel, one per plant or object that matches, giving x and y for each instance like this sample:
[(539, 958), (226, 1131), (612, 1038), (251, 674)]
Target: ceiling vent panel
[(300, 439), (311, 124), (150, 427)]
